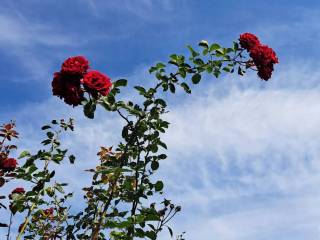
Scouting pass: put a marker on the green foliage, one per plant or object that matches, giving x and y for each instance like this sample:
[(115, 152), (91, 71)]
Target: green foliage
[(119, 201)]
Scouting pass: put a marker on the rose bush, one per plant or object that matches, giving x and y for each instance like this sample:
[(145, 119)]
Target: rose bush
[(122, 202)]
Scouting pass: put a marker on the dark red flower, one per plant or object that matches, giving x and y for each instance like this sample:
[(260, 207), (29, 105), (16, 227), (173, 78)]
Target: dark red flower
[(248, 41), (96, 82), (264, 58), (67, 87), (77, 65), (8, 164), (48, 211), (18, 190)]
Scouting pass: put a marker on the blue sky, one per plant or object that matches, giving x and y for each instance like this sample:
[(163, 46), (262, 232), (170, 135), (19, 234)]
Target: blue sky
[(244, 152)]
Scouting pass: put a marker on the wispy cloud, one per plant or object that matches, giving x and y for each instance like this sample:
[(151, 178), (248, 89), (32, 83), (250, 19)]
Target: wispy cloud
[(243, 154), (148, 10)]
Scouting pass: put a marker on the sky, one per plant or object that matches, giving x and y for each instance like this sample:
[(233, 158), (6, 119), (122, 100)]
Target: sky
[(244, 154)]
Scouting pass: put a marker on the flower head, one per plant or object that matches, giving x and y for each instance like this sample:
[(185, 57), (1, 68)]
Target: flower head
[(96, 82), (248, 41), (77, 65), (8, 164), (67, 87), (264, 58)]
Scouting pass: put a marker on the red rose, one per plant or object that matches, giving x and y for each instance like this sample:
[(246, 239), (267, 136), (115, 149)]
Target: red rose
[(18, 190), (96, 82), (8, 164), (48, 211), (248, 41), (264, 58), (77, 65), (67, 87)]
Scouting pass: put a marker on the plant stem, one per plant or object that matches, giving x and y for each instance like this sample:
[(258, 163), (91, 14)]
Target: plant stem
[(9, 228)]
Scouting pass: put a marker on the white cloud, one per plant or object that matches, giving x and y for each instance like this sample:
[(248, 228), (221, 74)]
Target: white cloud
[(23, 38)]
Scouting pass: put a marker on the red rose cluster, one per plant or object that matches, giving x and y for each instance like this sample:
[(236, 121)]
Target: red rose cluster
[(262, 56), (75, 79), (8, 164)]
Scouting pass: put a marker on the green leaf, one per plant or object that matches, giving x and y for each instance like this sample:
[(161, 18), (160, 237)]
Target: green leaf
[(172, 88), (170, 231), (141, 90), (52, 174), (151, 234), (160, 65), (45, 127), (240, 71), (154, 165), (162, 156), (158, 186), (50, 135), (89, 109), (235, 46), (161, 102), (193, 52), (204, 43), (24, 154), (120, 83), (185, 87), (196, 78), (125, 132), (214, 47), (59, 188)]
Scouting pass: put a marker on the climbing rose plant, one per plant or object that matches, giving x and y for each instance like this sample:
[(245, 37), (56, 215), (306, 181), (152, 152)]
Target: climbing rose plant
[(121, 203)]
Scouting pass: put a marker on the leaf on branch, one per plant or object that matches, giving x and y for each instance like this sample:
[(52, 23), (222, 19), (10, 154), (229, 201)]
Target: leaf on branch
[(196, 78), (120, 83), (185, 87), (158, 186), (24, 154), (89, 109), (204, 43)]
